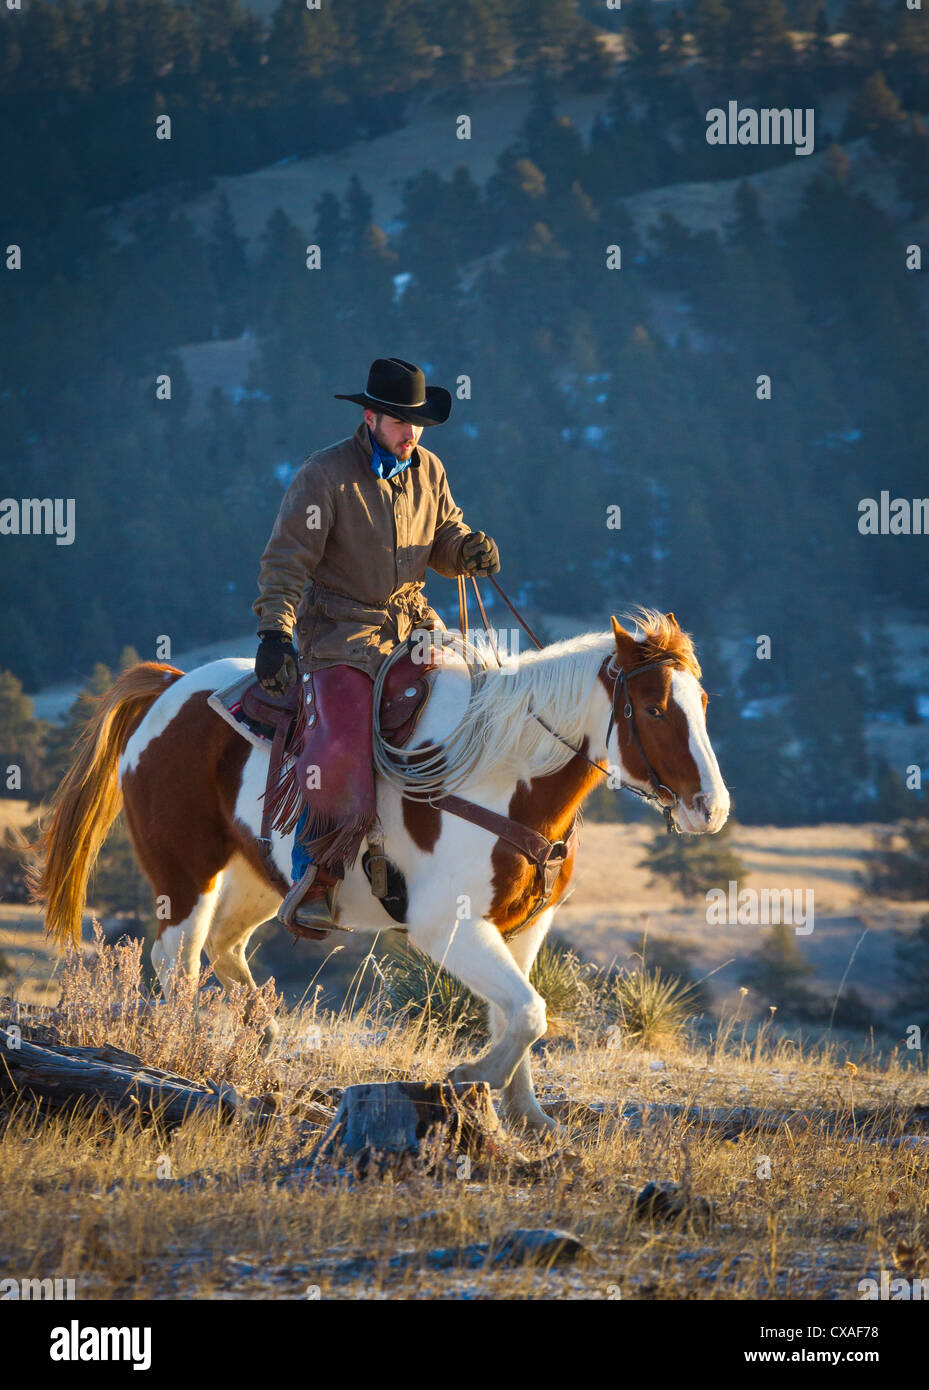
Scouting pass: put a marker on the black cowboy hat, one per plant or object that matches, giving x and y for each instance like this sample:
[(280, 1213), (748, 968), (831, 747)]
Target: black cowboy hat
[(399, 388)]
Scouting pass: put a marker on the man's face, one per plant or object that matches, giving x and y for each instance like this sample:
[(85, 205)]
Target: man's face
[(398, 437)]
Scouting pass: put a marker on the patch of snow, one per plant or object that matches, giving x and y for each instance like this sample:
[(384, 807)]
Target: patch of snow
[(400, 283), (285, 473), (240, 394), (833, 438)]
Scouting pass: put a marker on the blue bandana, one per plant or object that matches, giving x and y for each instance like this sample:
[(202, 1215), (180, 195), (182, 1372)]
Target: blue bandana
[(383, 464)]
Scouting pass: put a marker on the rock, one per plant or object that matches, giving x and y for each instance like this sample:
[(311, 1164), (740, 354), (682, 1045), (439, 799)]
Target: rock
[(575, 1113), (668, 1201), (396, 1124), (545, 1247)]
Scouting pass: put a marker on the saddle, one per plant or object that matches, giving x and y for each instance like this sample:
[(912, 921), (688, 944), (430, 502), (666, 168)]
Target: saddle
[(405, 693), (403, 700)]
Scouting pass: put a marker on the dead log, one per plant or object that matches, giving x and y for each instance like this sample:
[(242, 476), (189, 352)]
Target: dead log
[(400, 1124), (59, 1079)]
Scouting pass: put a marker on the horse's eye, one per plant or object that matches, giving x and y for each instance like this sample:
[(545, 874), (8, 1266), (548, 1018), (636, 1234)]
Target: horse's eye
[(655, 712)]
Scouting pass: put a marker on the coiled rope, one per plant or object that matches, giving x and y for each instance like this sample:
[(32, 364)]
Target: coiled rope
[(438, 767)]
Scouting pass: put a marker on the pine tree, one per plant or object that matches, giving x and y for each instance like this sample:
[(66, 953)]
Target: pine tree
[(229, 268), (302, 45), (778, 971), (822, 47), (894, 800), (693, 864), (587, 61), (913, 168), (642, 39), (711, 21), (360, 211), (876, 111), (677, 31), (22, 737), (863, 21), (63, 738), (757, 32), (748, 227), (899, 868), (912, 962)]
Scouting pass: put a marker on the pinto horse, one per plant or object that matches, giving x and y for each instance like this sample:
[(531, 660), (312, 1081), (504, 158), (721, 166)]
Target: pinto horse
[(552, 723)]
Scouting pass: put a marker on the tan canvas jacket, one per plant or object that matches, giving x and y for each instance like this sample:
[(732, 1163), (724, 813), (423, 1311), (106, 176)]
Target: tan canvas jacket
[(345, 564)]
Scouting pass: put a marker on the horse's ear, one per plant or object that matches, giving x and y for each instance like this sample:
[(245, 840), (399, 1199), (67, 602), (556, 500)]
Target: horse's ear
[(625, 643), (673, 621)]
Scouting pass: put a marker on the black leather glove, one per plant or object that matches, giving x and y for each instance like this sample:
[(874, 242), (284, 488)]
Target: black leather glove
[(479, 554), (276, 663)]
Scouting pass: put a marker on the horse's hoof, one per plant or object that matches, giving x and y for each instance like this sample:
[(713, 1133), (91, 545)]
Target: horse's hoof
[(466, 1075), (533, 1122)]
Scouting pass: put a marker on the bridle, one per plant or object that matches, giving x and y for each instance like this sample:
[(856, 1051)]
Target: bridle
[(621, 692)]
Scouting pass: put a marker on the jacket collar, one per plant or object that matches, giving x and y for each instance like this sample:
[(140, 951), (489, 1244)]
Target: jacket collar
[(363, 441)]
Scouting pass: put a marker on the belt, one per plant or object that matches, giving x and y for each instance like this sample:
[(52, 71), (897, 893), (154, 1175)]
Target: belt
[(343, 607)]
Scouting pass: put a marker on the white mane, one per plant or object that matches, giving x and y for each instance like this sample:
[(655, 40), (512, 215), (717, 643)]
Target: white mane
[(558, 681)]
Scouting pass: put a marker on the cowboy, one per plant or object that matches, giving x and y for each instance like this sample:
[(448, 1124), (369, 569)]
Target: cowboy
[(344, 571)]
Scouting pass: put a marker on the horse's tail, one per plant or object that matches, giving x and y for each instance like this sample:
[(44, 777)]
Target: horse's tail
[(89, 799)]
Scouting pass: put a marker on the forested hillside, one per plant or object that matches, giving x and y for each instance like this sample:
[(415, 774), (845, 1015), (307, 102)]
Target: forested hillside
[(573, 394)]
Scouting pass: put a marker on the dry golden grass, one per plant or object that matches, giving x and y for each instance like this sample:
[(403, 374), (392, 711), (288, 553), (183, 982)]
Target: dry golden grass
[(82, 1197)]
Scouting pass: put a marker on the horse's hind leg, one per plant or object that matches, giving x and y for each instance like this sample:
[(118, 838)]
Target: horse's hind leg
[(245, 901), (176, 952)]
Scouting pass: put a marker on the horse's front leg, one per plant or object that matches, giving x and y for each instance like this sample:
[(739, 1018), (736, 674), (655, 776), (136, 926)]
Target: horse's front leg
[(520, 1106), (474, 951)]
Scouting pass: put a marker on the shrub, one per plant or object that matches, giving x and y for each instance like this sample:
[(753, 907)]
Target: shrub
[(648, 1006), (912, 961), (777, 971), (900, 866)]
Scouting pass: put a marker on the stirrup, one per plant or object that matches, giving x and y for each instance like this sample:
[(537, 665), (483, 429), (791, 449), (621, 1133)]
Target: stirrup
[(293, 899), (318, 913)]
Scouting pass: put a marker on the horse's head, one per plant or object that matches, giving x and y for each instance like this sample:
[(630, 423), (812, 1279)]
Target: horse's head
[(658, 737)]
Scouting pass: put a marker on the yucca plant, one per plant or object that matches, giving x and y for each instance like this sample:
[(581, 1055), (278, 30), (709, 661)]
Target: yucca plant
[(648, 1006)]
